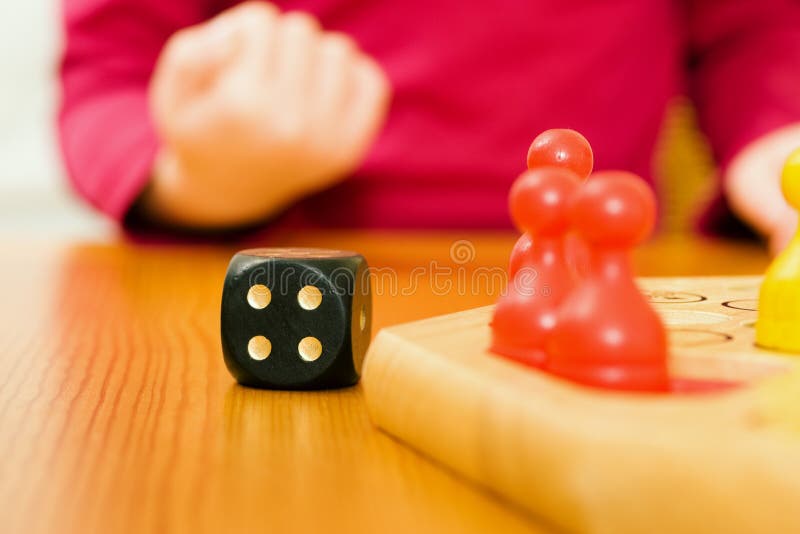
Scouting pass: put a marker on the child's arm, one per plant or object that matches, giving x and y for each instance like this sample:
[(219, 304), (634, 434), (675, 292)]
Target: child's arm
[(257, 109), (253, 110), (107, 139), (746, 83), (752, 185)]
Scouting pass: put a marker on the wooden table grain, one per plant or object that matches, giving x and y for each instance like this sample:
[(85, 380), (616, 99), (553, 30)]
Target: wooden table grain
[(118, 415)]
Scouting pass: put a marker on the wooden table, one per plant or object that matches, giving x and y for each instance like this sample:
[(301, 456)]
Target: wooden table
[(118, 415)]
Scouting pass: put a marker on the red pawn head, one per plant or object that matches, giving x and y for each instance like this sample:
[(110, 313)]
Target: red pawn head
[(615, 209), (562, 148), (539, 201)]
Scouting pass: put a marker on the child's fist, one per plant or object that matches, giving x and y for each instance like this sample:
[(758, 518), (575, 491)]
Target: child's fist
[(256, 109)]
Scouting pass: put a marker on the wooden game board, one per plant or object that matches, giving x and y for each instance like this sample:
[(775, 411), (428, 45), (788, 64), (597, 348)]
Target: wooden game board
[(590, 460)]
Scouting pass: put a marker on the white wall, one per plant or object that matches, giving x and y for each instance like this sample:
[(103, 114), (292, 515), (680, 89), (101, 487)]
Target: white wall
[(35, 199), (29, 39)]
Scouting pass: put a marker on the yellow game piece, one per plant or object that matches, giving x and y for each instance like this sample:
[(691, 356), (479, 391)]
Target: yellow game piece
[(778, 325)]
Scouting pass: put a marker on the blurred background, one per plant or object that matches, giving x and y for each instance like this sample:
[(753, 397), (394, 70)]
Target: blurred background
[(35, 199)]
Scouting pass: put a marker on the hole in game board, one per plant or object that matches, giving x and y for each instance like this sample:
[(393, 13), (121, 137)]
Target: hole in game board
[(742, 304), (672, 297), (686, 338)]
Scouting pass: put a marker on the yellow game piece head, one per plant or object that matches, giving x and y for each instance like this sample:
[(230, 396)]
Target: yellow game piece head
[(790, 180)]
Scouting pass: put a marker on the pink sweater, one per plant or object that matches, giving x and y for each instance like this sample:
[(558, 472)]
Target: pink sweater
[(473, 83)]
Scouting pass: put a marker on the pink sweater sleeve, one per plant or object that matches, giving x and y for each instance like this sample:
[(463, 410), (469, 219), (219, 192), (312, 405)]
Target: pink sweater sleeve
[(107, 139), (745, 76)]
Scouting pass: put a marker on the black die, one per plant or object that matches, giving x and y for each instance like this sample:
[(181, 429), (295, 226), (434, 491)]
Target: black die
[(296, 318)]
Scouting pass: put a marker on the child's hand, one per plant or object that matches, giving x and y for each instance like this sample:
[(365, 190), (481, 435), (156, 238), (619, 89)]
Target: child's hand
[(257, 109), (753, 186)]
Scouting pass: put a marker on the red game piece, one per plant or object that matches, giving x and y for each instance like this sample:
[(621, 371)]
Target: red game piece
[(565, 149), (607, 335), (576, 250), (519, 254), (525, 315), (562, 148)]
